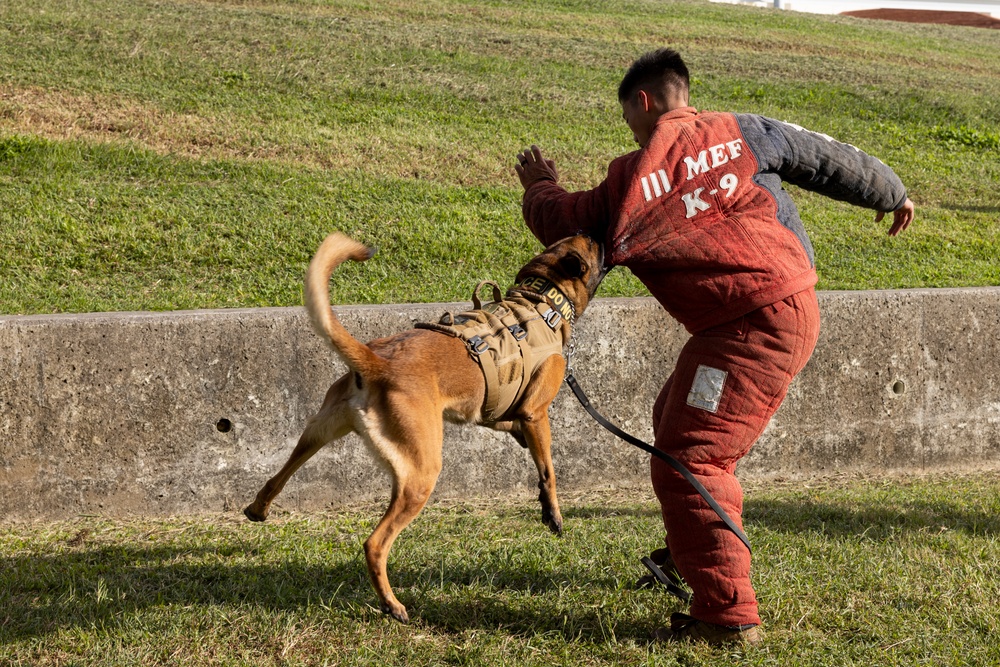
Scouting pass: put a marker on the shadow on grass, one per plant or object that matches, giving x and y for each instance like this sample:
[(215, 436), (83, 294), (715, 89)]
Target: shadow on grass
[(974, 209), (106, 587), (40, 594), (543, 617), (596, 512), (872, 520), (528, 604)]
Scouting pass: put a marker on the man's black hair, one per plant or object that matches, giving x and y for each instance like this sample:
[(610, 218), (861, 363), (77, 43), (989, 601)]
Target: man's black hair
[(661, 70)]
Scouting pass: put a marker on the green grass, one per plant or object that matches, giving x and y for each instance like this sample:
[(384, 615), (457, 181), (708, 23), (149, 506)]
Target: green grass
[(849, 571), (188, 154)]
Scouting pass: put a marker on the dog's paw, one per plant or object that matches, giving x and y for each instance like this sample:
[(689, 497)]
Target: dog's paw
[(397, 611), (554, 522), (251, 514)]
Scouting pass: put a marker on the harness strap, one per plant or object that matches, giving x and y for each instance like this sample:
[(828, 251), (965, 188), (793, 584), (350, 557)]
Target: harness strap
[(492, 383), (497, 393), (510, 321), (671, 461)]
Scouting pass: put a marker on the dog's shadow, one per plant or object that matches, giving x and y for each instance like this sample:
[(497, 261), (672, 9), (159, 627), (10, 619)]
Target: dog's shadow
[(41, 594), (103, 586)]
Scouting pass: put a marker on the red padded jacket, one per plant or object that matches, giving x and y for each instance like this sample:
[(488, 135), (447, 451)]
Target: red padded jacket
[(699, 215)]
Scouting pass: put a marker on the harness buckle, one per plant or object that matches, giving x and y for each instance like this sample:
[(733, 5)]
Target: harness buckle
[(478, 345), (517, 332), (552, 318)]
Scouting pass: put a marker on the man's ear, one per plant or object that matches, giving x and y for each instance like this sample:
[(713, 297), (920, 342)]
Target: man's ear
[(643, 99), (572, 265)]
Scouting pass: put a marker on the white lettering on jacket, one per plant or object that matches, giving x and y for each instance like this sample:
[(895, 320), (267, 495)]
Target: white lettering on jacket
[(720, 154), (656, 184), (694, 203)]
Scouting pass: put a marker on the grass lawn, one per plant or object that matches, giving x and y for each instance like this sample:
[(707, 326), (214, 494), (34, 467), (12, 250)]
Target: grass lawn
[(849, 571), (174, 154)]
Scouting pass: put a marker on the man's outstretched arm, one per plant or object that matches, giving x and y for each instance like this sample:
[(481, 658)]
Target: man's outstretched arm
[(551, 212)]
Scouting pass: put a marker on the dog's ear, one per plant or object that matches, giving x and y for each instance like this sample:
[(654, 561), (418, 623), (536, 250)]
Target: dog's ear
[(572, 265)]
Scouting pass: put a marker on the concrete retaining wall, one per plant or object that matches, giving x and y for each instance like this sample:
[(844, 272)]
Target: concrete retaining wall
[(162, 413)]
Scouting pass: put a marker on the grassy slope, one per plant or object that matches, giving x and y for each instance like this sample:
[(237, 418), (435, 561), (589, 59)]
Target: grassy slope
[(162, 155), (849, 572)]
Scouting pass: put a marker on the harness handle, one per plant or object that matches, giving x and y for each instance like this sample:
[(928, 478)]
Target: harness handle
[(477, 304), (671, 461)]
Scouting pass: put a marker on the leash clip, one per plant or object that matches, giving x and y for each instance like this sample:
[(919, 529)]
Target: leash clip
[(570, 351)]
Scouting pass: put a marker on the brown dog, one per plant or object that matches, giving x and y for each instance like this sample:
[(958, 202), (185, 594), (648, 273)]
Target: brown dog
[(399, 389)]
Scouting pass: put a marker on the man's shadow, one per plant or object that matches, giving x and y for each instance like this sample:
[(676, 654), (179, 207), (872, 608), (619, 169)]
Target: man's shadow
[(877, 522)]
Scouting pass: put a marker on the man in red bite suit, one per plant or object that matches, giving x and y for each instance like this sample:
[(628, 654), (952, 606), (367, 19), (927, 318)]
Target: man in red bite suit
[(698, 214)]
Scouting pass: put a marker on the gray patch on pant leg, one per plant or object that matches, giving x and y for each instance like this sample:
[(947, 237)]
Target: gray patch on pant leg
[(706, 390)]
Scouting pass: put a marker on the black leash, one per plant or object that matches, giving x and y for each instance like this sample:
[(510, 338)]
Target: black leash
[(671, 580), (671, 461)]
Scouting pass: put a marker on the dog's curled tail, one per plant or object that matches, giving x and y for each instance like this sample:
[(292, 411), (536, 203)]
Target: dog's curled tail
[(335, 249)]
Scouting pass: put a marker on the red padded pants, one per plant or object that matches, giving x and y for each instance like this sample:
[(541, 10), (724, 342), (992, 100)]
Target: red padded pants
[(741, 370)]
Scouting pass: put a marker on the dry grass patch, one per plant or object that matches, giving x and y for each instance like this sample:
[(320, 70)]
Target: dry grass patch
[(403, 150), (61, 115)]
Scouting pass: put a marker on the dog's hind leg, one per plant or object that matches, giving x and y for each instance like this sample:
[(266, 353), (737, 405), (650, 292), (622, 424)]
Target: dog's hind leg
[(414, 457), (330, 423)]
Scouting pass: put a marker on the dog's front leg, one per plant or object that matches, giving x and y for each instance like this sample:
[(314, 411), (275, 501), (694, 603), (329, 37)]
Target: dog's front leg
[(533, 425), (539, 441), (514, 428), (541, 454)]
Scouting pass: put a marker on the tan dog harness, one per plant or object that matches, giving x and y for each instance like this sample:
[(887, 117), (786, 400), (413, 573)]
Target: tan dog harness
[(509, 338)]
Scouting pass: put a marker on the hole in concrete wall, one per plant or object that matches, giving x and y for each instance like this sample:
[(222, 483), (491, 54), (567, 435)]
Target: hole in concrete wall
[(898, 387), (224, 425)]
